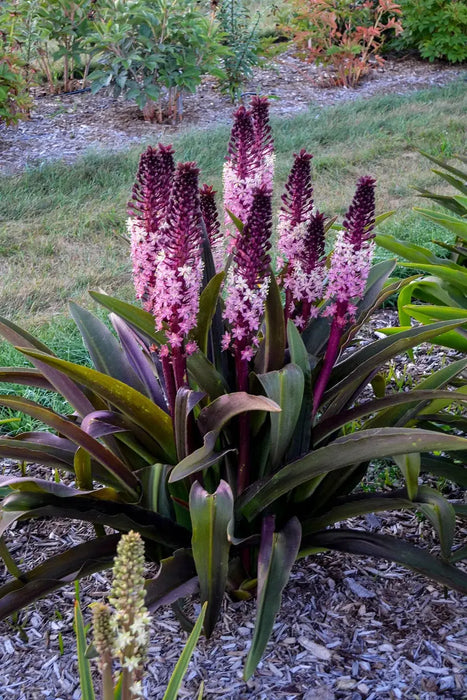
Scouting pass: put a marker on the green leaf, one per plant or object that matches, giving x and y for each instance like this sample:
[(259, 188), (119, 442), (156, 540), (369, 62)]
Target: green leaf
[(111, 463), (300, 442), (138, 318), (454, 274), (103, 347), (77, 562), (285, 387), (390, 548), (203, 373), (226, 407), (277, 554), (182, 664), (409, 464), (445, 468), (211, 516), (207, 308), (175, 579), (274, 337), (346, 451), (441, 514), (200, 459), (136, 406), (84, 667), (452, 223)]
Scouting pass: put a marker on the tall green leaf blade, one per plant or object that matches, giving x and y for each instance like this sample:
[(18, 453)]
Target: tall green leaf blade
[(111, 463), (277, 555), (207, 308), (129, 401), (452, 223), (138, 318), (211, 515), (285, 387), (103, 347), (299, 356), (441, 514), (205, 375), (84, 667), (409, 464), (346, 451), (274, 337), (182, 664)]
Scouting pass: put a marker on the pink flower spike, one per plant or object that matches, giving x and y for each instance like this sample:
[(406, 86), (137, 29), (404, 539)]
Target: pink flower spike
[(248, 280), (213, 228), (178, 274), (147, 210)]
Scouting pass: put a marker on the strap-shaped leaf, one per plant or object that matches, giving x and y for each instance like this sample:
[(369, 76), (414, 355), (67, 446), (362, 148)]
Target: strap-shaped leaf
[(446, 468), (277, 554), (207, 308), (77, 562), (111, 463), (61, 383), (129, 401), (30, 376), (211, 515), (139, 358), (452, 223), (346, 451), (390, 548), (409, 464), (226, 407), (205, 375), (200, 459), (300, 442), (104, 349), (441, 514), (36, 452), (273, 346), (175, 579), (142, 320), (285, 387), (182, 664), (84, 667)]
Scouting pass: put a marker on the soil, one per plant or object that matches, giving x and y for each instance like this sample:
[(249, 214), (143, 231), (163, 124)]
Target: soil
[(67, 126)]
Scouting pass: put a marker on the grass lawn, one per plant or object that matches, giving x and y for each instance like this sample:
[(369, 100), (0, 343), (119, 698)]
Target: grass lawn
[(62, 226)]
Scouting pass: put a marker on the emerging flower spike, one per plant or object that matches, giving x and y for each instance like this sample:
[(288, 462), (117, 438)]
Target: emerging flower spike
[(212, 224), (249, 164), (248, 280), (353, 251), (147, 210), (174, 298), (131, 619)]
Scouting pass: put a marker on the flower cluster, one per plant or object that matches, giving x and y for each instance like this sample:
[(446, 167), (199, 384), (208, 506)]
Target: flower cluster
[(249, 163), (166, 239), (301, 244), (248, 280), (131, 619), (213, 227), (352, 255), (147, 210)]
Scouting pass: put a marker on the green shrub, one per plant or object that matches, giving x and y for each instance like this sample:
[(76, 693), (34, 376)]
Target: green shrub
[(14, 97), (436, 28), (152, 52)]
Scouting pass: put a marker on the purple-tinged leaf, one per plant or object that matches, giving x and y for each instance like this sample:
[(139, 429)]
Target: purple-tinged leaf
[(277, 554), (139, 319), (82, 560), (36, 453), (200, 459), (185, 401), (111, 463), (175, 579), (211, 516), (227, 406), (139, 360), (30, 376), (61, 383), (441, 515), (136, 406)]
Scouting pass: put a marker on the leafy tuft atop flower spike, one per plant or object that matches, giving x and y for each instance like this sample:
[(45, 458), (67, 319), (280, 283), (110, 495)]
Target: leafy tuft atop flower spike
[(211, 221)]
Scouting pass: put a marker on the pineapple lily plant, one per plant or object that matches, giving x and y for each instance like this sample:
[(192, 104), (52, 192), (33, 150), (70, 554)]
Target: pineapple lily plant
[(230, 418)]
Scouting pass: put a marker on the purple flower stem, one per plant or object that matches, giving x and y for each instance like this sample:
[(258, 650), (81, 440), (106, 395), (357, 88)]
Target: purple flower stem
[(169, 380), (332, 352), (241, 367)]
